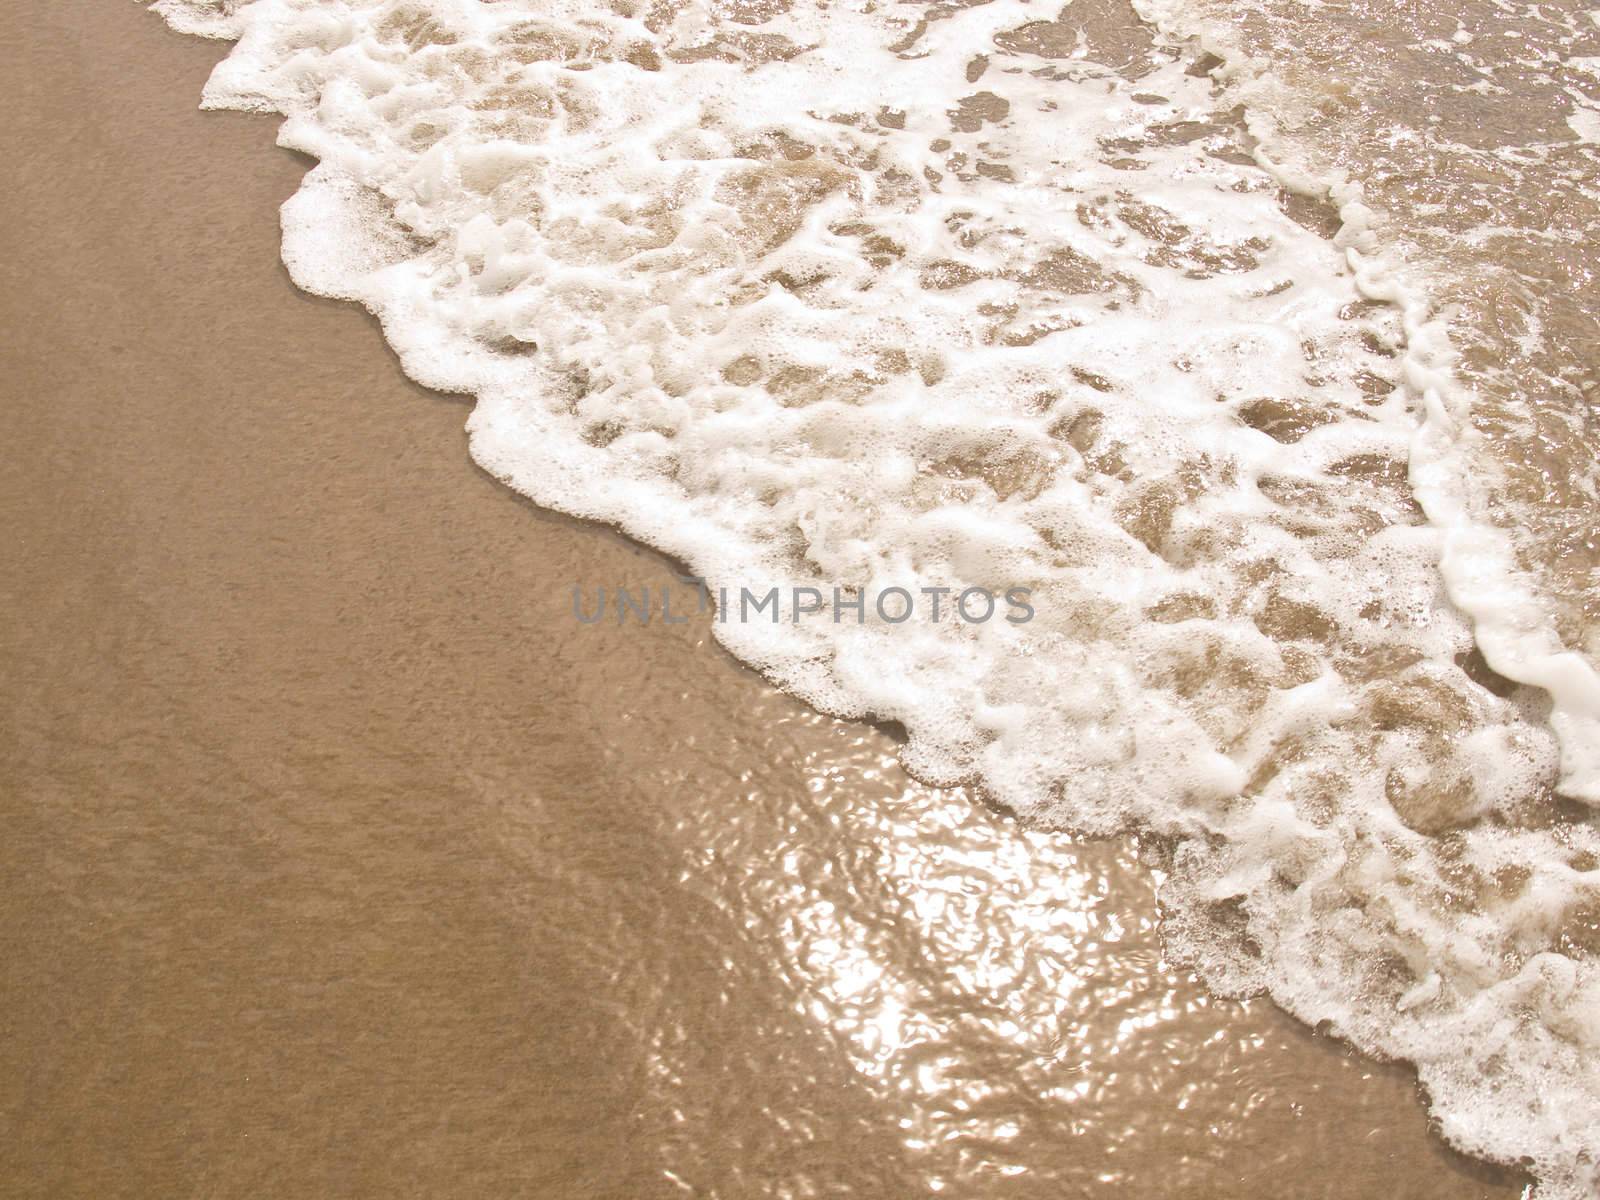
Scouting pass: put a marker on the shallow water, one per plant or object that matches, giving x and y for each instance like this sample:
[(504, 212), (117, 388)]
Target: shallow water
[(1475, 132), (1018, 305)]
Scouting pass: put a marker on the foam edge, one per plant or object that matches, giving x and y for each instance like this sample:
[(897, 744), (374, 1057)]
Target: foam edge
[(1512, 627)]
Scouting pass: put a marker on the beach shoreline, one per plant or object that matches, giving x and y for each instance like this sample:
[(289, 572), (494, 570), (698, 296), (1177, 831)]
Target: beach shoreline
[(344, 860)]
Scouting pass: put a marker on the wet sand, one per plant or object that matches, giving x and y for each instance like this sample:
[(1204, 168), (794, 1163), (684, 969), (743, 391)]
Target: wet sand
[(340, 860)]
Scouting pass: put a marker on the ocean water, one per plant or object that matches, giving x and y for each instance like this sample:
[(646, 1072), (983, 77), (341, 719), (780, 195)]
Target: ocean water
[(1254, 341)]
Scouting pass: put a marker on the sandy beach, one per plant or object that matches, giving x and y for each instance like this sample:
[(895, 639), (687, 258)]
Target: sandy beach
[(340, 860)]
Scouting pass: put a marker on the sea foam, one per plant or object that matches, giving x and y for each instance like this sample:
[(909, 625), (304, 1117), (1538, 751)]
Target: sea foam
[(858, 296)]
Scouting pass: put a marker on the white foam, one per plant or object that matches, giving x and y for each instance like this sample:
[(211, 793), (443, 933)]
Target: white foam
[(1585, 122), (813, 297), (1511, 622)]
